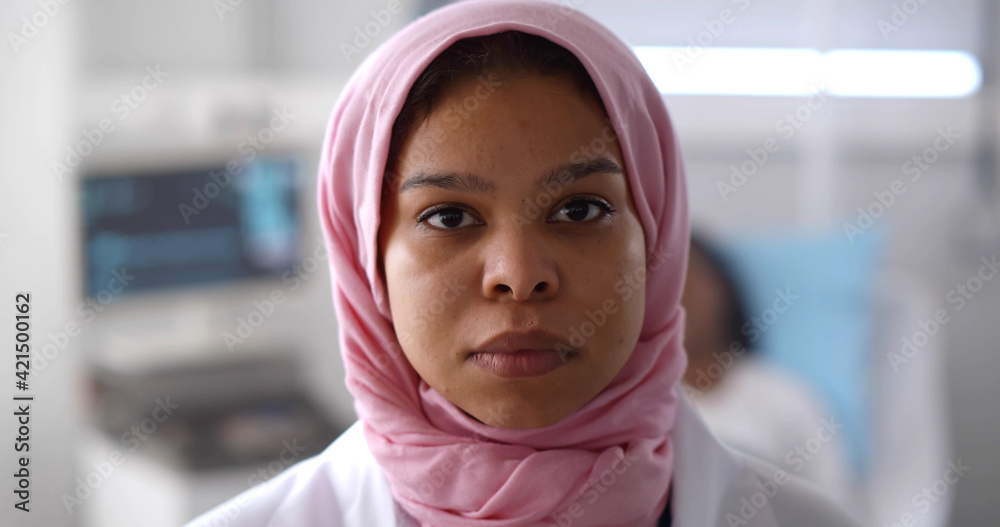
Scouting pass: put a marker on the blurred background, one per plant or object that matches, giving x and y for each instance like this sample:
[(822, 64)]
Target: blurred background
[(158, 162)]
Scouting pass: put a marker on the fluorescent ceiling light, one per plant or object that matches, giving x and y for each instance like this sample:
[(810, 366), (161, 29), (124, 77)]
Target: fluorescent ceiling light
[(802, 71)]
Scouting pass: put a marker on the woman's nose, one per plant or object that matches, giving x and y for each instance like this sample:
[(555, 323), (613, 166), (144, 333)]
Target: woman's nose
[(519, 264)]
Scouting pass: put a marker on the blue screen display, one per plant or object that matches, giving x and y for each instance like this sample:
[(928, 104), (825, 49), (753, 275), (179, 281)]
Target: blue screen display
[(183, 228)]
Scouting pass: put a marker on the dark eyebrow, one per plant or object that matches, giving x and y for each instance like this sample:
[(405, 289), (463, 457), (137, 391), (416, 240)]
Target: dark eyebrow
[(468, 182)]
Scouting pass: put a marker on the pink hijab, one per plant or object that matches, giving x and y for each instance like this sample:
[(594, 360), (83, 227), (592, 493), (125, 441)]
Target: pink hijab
[(610, 463)]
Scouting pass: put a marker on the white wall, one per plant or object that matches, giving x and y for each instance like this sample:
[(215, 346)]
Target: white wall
[(37, 120)]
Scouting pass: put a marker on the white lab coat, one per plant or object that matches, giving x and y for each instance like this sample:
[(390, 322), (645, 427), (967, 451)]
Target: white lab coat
[(713, 486), (760, 409)]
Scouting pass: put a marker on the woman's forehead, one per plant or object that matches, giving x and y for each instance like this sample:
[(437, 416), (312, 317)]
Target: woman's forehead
[(535, 118)]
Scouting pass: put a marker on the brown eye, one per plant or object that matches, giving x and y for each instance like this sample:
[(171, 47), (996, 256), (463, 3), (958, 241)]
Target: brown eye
[(581, 210), (446, 218)]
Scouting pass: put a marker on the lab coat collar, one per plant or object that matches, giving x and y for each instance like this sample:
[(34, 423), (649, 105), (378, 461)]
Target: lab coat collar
[(712, 483)]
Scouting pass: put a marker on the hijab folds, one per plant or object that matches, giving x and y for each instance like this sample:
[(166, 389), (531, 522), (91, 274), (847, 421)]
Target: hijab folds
[(608, 464)]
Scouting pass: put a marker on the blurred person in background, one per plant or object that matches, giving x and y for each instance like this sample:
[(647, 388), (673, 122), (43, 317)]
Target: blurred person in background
[(748, 403)]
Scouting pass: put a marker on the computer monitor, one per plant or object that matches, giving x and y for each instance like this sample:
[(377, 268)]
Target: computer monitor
[(164, 229)]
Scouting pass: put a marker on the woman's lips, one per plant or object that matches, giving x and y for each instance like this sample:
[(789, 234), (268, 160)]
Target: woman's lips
[(520, 364), (513, 354)]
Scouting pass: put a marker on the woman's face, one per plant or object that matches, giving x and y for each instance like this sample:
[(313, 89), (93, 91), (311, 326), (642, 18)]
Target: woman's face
[(474, 246)]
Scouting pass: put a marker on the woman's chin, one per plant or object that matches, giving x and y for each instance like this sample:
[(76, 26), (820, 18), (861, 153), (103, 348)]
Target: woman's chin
[(519, 416)]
